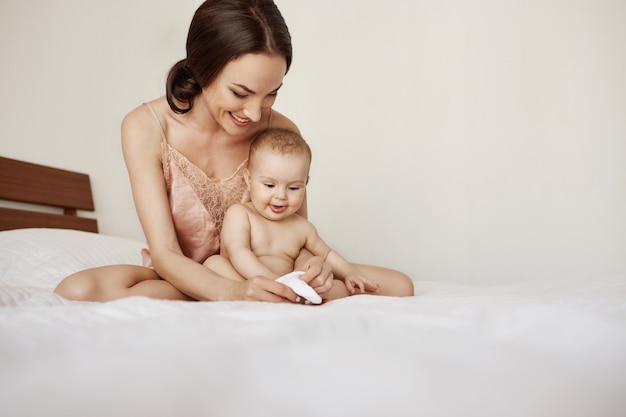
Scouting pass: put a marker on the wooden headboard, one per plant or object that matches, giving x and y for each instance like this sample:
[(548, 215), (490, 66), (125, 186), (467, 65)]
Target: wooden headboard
[(25, 182)]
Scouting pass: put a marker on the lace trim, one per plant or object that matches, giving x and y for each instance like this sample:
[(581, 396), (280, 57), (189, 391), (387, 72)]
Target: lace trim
[(215, 195)]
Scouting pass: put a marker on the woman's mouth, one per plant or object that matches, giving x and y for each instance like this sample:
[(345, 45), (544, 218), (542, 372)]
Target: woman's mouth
[(239, 121)]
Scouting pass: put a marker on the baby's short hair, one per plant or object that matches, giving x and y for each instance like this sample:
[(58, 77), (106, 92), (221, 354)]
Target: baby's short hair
[(283, 141)]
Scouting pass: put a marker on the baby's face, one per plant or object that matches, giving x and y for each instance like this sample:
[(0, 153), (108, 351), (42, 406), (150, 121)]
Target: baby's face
[(277, 183)]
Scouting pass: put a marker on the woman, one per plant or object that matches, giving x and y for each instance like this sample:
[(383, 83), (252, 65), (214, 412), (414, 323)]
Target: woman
[(185, 153)]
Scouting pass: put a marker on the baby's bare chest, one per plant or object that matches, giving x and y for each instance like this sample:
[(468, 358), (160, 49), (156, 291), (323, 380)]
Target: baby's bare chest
[(270, 238)]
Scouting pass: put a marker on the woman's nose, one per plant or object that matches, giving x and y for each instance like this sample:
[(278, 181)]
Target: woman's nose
[(253, 112)]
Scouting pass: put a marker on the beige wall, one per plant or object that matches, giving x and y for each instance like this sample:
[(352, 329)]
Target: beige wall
[(478, 141)]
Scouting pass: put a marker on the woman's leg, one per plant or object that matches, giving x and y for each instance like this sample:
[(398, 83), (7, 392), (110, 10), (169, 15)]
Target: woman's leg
[(117, 281), (392, 283)]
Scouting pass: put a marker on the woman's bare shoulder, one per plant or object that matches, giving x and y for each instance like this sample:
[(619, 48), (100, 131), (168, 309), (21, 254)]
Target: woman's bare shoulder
[(140, 129), (282, 121), (142, 115)]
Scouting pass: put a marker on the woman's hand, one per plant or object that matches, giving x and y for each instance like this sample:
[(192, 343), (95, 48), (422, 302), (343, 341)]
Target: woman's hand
[(318, 274), (261, 288)]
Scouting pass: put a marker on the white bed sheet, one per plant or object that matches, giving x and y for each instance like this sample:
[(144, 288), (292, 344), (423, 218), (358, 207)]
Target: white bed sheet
[(554, 348)]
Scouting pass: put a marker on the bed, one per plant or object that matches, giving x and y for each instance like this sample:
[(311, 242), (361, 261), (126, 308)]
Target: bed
[(538, 348)]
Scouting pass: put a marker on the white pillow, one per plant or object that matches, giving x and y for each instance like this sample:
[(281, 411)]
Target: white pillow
[(43, 257)]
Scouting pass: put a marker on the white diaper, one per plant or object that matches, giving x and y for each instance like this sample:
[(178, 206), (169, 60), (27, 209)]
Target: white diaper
[(293, 281)]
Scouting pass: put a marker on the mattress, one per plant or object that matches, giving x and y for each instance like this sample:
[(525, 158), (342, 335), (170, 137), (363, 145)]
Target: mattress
[(537, 348)]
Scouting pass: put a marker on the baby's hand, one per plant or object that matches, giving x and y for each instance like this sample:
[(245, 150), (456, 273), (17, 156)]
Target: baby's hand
[(353, 280)]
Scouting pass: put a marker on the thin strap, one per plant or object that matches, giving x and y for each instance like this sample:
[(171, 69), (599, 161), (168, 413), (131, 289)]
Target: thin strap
[(241, 165), (157, 120)]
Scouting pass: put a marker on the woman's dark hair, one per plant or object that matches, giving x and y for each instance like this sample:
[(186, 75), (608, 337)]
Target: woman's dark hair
[(220, 31)]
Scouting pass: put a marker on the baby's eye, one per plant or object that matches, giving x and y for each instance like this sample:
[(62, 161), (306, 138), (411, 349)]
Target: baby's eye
[(294, 188), (268, 185)]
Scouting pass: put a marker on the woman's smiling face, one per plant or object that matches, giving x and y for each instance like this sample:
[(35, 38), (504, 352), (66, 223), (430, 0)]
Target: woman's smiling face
[(245, 88)]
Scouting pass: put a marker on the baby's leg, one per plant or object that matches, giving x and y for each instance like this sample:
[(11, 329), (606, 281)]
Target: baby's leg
[(392, 283), (223, 267), (338, 290)]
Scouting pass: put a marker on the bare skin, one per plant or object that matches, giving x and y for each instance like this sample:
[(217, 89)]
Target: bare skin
[(266, 235), (211, 140), (215, 136)]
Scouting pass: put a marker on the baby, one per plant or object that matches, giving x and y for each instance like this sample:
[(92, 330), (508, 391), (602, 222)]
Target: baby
[(266, 235)]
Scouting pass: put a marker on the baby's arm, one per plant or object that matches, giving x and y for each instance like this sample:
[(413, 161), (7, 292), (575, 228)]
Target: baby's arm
[(235, 244), (340, 266), (349, 274)]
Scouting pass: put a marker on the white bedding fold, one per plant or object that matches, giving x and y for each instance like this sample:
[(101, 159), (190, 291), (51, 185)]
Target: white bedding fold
[(537, 349)]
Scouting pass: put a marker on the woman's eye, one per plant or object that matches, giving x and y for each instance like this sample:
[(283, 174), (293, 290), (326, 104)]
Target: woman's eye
[(236, 94)]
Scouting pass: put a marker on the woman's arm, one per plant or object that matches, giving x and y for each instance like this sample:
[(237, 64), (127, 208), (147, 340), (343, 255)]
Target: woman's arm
[(141, 145)]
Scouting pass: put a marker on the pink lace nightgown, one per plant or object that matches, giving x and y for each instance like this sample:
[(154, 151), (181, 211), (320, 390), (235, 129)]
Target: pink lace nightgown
[(197, 202)]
